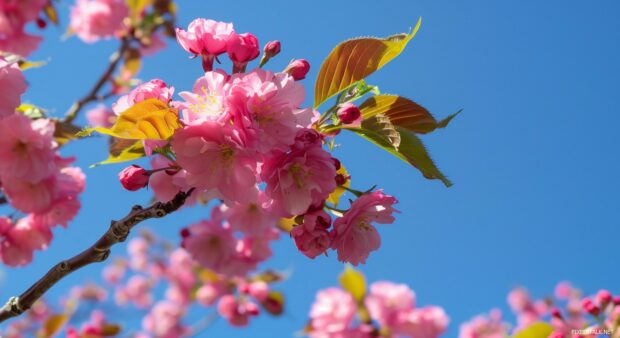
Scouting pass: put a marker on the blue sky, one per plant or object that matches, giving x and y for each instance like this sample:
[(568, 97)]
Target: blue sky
[(533, 156)]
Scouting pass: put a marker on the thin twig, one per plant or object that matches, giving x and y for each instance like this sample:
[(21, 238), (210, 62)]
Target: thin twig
[(93, 94), (3, 200), (97, 252)]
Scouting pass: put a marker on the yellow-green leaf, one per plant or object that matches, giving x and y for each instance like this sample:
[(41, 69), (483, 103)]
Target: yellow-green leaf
[(131, 62), (54, 324), (64, 131), (334, 197), (402, 112), (353, 282), (130, 153), (151, 119), (355, 59), (110, 330), (286, 224), (536, 330), (31, 111), (136, 7)]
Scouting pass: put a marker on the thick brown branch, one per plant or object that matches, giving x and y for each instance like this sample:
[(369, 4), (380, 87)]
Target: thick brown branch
[(93, 94), (98, 252)]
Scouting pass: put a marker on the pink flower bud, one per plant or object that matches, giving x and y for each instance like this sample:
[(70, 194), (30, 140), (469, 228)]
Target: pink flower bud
[(590, 307), (259, 290), (555, 312), (348, 113), (242, 48), (298, 69), (603, 297), (134, 177), (272, 48), (616, 300)]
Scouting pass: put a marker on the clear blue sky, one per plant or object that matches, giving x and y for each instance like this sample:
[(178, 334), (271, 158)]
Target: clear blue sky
[(533, 156)]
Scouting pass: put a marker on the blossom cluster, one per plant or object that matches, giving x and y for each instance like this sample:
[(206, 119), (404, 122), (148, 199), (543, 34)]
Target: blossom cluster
[(388, 310), (569, 312), (34, 178), (246, 140), (14, 16), (92, 20)]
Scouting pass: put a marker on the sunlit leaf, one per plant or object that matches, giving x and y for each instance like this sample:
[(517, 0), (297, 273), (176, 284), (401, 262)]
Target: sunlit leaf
[(130, 153), (31, 111), (536, 330), (151, 119), (54, 324), (274, 303), (403, 112), (286, 224), (110, 330), (355, 59), (65, 131), (136, 7), (27, 64), (51, 13), (334, 197), (353, 282), (132, 62)]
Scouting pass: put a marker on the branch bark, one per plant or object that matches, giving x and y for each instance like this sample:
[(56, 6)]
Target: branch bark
[(98, 252), (93, 94)]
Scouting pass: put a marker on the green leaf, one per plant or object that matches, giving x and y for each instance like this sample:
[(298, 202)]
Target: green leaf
[(407, 146), (403, 112), (132, 152), (353, 282), (536, 330), (355, 59), (355, 91)]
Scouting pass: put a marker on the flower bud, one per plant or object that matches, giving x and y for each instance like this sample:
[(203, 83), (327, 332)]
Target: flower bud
[(134, 177), (348, 113), (272, 48), (242, 48), (298, 69), (341, 179), (603, 297), (616, 300), (590, 307), (555, 312)]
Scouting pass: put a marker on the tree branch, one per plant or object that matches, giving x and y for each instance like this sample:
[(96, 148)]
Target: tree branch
[(98, 252), (94, 92), (3, 200)]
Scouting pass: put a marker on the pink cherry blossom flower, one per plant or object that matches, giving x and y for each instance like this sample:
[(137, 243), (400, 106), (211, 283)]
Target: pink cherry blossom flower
[(134, 177), (266, 105), (251, 218), (92, 20), (312, 237), (241, 49), (13, 85), (350, 114), (207, 101), (387, 301), (354, 235), (18, 241), (164, 320), (26, 148), (332, 312), (484, 326), (212, 245), (426, 322), (100, 116), (237, 312), (299, 179), (64, 189), (14, 16), (215, 157), (208, 293), (205, 37), (154, 89), (137, 291)]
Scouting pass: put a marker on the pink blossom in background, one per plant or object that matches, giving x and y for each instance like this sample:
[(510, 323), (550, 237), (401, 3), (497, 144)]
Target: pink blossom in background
[(332, 312), (100, 116), (18, 241), (14, 16), (485, 326), (164, 320), (386, 302), (425, 322), (236, 311), (13, 85), (354, 235), (137, 291), (212, 245), (92, 20)]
